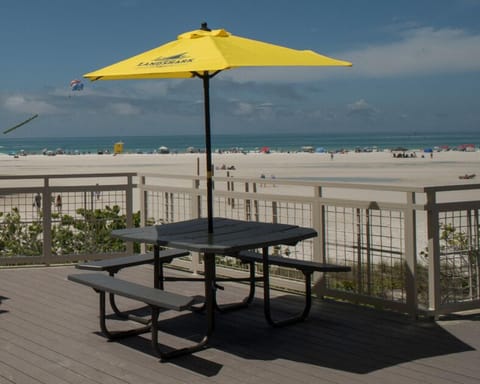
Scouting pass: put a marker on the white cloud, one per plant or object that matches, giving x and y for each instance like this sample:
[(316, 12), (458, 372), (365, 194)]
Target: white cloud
[(151, 88), (361, 109), (284, 74), (243, 109), (123, 109), (26, 105), (419, 51), (416, 51)]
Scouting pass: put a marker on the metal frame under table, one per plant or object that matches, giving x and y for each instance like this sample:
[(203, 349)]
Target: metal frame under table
[(228, 238)]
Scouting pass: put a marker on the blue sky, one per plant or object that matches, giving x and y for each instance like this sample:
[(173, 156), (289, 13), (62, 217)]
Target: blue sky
[(416, 67)]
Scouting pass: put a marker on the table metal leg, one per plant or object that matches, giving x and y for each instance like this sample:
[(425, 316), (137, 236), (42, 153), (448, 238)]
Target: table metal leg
[(210, 291), (156, 268), (209, 260), (266, 297), (247, 300)]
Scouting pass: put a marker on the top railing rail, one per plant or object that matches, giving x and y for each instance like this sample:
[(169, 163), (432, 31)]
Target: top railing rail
[(412, 248)]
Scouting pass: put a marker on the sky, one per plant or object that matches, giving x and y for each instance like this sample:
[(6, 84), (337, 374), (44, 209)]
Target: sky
[(416, 67)]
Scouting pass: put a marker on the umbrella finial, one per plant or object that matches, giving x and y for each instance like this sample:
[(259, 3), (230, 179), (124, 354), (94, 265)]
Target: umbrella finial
[(204, 27)]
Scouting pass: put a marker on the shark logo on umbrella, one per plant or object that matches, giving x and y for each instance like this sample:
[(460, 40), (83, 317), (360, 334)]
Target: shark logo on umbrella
[(181, 58)]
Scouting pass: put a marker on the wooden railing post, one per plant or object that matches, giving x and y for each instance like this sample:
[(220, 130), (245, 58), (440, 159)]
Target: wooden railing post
[(319, 246), (410, 236), (129, 209), (318, 222), (143, 207), (433, 227), (195, 212), (47, 221), (196, 200), (248, 205)]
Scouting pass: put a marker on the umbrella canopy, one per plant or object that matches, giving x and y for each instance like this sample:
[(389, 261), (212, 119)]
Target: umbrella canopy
[(203, 53), (265, 150)]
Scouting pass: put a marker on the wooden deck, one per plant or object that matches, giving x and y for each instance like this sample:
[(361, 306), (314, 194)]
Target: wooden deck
[(49, 334)]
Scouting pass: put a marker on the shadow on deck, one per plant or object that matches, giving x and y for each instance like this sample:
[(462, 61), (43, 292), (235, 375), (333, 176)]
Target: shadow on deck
[(56, 322)]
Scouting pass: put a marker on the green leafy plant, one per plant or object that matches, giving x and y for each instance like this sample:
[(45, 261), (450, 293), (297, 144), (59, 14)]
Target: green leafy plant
[(88, 231), (459, 265), (19, 238)]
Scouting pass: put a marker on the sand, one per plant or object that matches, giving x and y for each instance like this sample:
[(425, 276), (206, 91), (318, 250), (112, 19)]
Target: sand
[(378, 168), (444, 168)]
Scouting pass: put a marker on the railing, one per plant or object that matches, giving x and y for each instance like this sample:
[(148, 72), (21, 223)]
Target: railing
[(414, 250), (52, 219), (411, 249)]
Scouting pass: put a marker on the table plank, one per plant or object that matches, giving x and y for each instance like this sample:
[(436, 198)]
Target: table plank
[(229, 235)]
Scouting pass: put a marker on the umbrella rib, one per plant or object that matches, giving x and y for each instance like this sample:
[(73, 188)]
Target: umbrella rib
[(196, 74)]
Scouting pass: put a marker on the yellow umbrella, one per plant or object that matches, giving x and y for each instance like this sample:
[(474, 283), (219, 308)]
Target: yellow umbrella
[(203, 53)]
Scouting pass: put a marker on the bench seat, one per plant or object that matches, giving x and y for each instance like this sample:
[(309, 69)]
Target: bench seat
[(148, 295), (156, 298), (307, 268), (116, 264), (302, 265)]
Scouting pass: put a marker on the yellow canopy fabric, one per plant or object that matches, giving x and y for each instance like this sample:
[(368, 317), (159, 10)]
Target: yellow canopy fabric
[(201, 51)]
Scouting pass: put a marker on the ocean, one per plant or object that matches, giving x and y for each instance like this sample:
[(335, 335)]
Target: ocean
[(246, 142)]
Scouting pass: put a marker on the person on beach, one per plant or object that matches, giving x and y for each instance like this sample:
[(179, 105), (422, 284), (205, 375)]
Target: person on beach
[(58, 203), (262, 176), (37, 201), (97, 192)]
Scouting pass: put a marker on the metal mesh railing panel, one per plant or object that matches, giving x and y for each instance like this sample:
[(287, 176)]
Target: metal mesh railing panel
[(168, 207), (459, 256), (372, 243), (21, 225), (80, 223)]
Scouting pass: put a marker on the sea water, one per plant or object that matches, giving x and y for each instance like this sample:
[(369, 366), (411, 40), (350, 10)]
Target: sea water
[(245, 142)]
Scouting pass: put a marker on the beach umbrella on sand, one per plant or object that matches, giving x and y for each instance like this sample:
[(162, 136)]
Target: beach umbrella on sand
[(265, 150), (203, 53)]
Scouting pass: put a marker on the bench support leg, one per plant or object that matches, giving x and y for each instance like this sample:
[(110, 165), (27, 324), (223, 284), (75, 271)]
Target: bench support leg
[(225, 307), (209, 260), (165, 355), (113, 335), (247, 300), (266, 297), (123, 315), (129, 316), (153, 328)]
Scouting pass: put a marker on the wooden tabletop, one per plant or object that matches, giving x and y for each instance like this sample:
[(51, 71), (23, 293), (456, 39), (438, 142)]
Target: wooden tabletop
[(229, 236)]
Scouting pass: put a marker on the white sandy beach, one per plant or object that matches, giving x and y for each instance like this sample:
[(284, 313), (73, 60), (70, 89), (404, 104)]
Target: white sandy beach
[(376, 167), (379, 168)]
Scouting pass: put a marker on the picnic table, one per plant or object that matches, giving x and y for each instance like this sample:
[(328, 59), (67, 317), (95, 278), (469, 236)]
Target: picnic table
[(229, 238), (246, 240)]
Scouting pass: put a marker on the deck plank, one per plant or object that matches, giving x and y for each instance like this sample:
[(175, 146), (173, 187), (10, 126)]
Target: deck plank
[(49, 334)]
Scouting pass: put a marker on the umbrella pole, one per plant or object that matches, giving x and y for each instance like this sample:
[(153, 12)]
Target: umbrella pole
[(208, 150)]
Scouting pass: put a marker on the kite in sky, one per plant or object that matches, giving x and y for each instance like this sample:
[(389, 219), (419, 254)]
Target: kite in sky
[(76, 85), (20, 124)]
